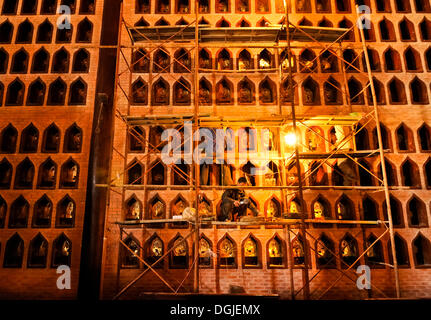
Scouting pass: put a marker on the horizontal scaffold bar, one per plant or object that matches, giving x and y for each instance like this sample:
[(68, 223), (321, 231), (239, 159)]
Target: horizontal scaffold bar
[(272, 33), (249, 223), (205, 120)]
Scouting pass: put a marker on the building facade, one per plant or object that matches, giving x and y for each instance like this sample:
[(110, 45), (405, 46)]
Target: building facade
[(47, 191)]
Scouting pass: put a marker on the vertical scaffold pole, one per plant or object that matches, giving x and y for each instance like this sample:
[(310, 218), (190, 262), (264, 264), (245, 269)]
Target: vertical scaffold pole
[(382, 157), (196, 165), (303, 211)]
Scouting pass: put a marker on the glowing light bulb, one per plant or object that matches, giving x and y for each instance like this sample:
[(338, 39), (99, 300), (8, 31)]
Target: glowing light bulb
[(290, 139)]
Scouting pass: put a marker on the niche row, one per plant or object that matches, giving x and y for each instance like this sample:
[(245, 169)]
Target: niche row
[(251, 253), (313, 173), (37, 94), (311, 139), (320, 208), (265, 6), (243, 60), (406, 30), (29, 7), (61, 252), (47, 174), (265, 92), (43, 212), (45, 32), (41, 61), (51, 140)]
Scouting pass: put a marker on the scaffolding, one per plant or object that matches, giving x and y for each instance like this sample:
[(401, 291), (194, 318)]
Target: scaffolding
[(280, 37)]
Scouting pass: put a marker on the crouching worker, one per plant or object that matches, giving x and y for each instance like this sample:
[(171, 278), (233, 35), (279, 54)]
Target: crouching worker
[(235, 203)]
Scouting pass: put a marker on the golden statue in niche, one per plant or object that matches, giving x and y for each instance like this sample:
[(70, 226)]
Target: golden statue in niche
[(226, 249), (134, 211), (250, 248), (204, 249), (267, 140), (298, 252), (319, 210), (65, 248), (312, 141), (157, 209), (348, 250), (293, 208), (322, 252), (69, 210), (274, 249), (341, 211), (178, 208), (156, 248), (272, 210), (180, 249), (204, 208)]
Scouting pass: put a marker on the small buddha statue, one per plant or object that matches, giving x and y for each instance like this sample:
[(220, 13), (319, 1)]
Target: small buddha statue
[(5, 177), (262, 6), (312, 142), (52, 141), (266, 95), (326, 65), (204, 63), (162, 62), (30, 142), (243, 6), (272, 210), (40, 251), (222, 6), (341, 211), (250, 249), (267, 140), (161, 95), (274, 249), (318, 210), (243, 64), (322, 252), (204, 208), (293, 208), (178, 208), (204, 249), (68, 214), (224, 63), (285, 94), (224, 94), (180, 249), (134, 212), (91, 8), (140, 95), (300, 5), (65, 248), (226, 249), (156, 248), (308, 95), (158, 209), (330, 94), (347, 249), (183, 8), (182, 95), (245, 95), (264, 63), (204, 95), (71, 175), (298, 253), (76, 141), (319, 6), (44, 211), (203, 7), (142, 64), (48, 176)]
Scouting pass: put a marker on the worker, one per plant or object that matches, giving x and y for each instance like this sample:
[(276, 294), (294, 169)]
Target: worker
[(235, 203)]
